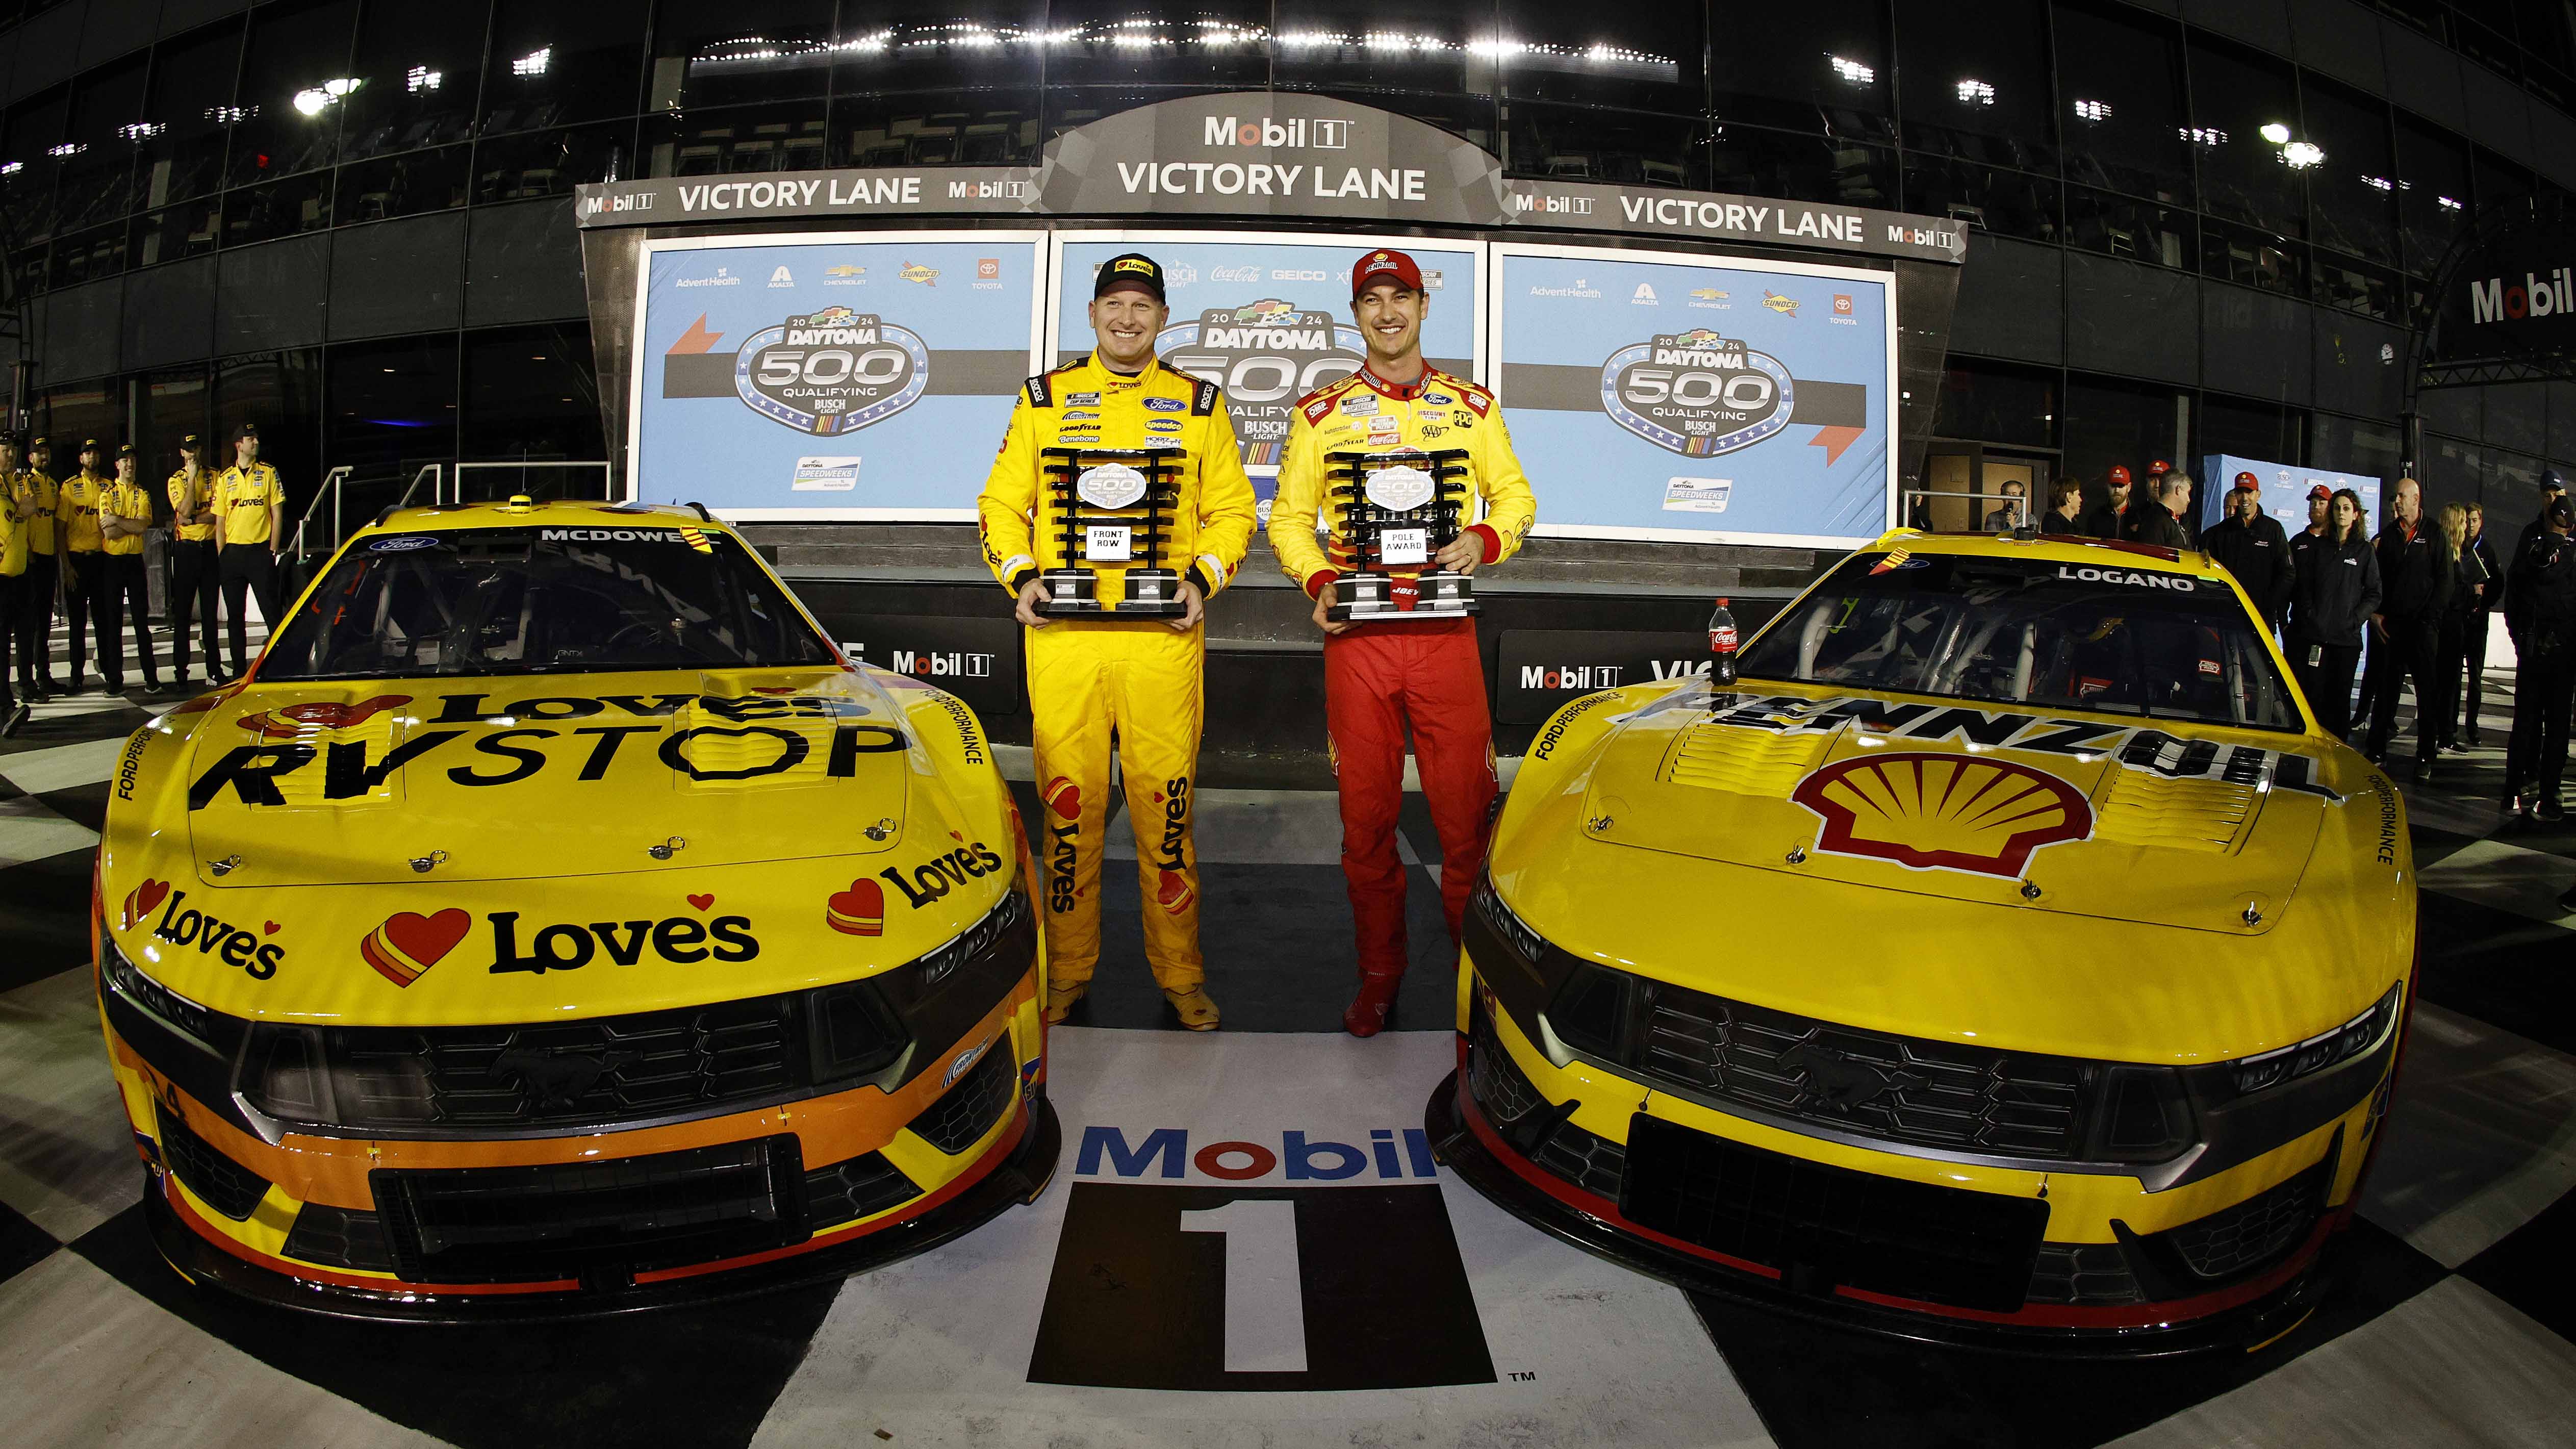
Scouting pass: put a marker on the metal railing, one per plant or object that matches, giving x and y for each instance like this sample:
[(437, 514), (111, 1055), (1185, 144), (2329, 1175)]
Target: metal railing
[(449, 484), (466, 472), (1978, 505), (334, 490)]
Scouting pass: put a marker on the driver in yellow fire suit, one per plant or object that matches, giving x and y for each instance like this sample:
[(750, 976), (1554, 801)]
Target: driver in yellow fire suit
[(1138, 679)]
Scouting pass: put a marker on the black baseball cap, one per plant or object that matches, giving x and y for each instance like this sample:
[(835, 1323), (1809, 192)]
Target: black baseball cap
[(89, 445), (40, 441), (1130, 269), (125, 450), (188, 441), (246, 430)]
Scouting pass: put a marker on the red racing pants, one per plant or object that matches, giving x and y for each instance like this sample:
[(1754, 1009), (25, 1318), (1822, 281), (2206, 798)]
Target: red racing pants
[(1380, 679), (1141, 681)]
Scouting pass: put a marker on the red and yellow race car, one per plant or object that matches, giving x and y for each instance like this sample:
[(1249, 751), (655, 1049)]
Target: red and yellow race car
[(2006, 954), (555, 922)]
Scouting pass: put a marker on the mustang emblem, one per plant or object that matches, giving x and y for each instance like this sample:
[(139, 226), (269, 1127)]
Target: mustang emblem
[(560, 1076), (1840, 1081)]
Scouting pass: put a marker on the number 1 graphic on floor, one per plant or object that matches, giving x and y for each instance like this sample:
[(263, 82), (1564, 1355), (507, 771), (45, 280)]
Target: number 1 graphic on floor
[(1265, 1308)]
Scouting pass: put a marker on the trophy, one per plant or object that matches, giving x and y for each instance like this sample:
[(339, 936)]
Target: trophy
[(1113, 509), (1398, 511)]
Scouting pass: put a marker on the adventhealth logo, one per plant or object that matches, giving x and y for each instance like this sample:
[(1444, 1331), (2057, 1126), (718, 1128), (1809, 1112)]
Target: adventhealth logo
[(1320, 134)]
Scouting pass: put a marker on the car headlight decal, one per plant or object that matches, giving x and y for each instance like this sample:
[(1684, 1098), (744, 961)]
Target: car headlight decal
[(1511, 929), (2146, 1116), (284, 1074), (174, 1011), (2267, 1070)]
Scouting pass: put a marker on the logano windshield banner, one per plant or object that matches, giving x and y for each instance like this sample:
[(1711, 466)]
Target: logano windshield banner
[(830, 377), (1659, 395), (1268, 316)]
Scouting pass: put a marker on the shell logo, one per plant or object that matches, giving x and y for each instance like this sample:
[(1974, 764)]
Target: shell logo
[(1943, 812)]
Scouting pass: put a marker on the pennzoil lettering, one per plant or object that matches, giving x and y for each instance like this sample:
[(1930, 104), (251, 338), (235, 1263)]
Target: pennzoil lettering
[(212, 937), (943, 874)]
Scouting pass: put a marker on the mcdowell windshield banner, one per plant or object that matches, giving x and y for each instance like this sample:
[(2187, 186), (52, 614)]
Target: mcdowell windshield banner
[(1268, 316), (1657, 395), (830, 377)]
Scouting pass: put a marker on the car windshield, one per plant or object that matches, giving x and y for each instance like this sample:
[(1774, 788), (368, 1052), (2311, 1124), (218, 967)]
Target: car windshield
[(542, 601), (2100, 636)]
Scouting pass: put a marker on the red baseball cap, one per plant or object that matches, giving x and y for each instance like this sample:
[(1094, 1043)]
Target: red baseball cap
[(1385, 266), (2119, 476), (2319, 490), (2158, 468), (2246, 482)]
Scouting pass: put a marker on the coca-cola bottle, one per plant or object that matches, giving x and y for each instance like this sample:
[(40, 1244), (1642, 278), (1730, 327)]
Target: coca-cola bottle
[(1721, 644)]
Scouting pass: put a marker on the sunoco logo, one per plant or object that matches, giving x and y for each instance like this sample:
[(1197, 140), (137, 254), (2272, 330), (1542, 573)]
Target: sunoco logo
[(832, 371), (1696, 393), (1267, 354)]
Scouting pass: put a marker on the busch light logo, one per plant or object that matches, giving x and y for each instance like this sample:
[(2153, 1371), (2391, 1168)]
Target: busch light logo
[(1267, 354), (1697, 393), (832, 371)]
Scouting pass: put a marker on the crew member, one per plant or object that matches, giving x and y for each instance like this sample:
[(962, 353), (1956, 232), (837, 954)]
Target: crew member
[(78, 503), (2065, 513), (250, 524), (124, 516), (2551, 490), (13, 581), (2473, 654), (2250, 546), (2544, 580), (38, 499), (2109, 518), (2007, 517), (2415, 584), (2155, 520), (193, 578), (1383, 678), (2333, 592), (1138, 679)]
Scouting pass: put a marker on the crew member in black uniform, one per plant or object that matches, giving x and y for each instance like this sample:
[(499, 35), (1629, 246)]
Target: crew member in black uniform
[(2415, 587), (2249, 544)]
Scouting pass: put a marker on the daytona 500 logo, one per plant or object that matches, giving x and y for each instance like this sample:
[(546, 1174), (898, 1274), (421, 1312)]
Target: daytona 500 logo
[(1266, 354), (832, 371), (1697, 393)]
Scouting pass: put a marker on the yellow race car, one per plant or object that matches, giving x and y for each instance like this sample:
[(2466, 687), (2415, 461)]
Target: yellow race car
[(2005, 955), (554, 921)]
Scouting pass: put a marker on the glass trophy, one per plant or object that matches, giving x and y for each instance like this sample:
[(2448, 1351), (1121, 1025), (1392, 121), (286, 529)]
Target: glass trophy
[(1399, 510), (1110, 508)]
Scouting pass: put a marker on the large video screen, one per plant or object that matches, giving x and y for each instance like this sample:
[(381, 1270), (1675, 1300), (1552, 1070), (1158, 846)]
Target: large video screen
[(1664, 395), (863, 376)]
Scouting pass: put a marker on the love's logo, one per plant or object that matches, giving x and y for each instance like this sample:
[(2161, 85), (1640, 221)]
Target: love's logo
[(409, 943), (858, 911)]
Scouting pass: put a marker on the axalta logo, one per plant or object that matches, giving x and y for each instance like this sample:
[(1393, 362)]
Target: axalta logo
[(2537, 296), (1392, 1155), (1571, 676), (1298, 131)]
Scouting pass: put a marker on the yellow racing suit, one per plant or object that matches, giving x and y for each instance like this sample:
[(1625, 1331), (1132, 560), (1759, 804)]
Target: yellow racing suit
[(1138, 679)]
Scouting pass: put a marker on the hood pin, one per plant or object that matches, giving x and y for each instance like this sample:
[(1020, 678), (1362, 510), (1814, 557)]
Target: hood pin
[(880, 830), (424, 864), (667, 848), (223, 867)]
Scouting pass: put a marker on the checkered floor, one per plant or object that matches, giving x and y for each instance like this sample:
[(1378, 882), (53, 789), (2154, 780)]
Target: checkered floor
[(2451, 1325)]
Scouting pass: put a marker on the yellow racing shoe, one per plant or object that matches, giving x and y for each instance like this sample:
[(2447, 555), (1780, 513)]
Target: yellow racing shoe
[(1198, 1010), (1061, 1000)]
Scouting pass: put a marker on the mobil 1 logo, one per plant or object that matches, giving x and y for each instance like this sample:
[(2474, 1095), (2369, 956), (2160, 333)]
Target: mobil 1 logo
[(1266, 354), (832, 371), (1292, 1263), (1697, 393)]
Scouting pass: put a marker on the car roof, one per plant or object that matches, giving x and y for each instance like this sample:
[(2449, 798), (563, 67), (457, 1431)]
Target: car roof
[(554, 512), (2053, 548)]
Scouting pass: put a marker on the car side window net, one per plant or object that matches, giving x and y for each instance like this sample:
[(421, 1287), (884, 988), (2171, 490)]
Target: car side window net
[(2030, 633), (506, 601)]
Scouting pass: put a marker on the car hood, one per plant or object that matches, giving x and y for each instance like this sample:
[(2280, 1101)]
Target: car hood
[(480, 779)]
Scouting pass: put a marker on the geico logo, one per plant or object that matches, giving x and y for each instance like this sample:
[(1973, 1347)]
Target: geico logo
[(1176, 822), (1571, 676), (212, 937), (2131, 577), (681, 940), (252, 771), (1165, 1152), (952, 664), (943, 874)]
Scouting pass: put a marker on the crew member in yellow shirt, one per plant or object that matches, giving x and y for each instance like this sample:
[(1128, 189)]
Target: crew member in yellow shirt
[(77, 508), (34, 496), (193, 579), (124, 516), (1394, 678), (13, 580), (250, 525)]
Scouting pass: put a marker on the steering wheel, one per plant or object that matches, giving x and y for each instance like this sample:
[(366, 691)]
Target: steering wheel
[(651, 634)]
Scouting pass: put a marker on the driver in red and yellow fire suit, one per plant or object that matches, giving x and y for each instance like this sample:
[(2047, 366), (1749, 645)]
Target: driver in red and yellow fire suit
[(1137, 678), (1382, 677)]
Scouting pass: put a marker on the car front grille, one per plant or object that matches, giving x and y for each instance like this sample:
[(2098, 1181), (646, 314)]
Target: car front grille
[(1823, 1226), (848, 1191), (221, 1183), (339, 1238), (1891, 1088), (1593, 1163), (1495, 1080), (597, 1222), (2254, 1233), (1509, 1099), (965, 1111), (2085, 1275)]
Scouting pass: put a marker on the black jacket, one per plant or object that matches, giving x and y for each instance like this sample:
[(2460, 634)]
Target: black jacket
[(2467, 572), (2153, 523), (2258, 554), (2494, 573), (2335, 592), (2544, 591), (2414, 583), (2104, 521)]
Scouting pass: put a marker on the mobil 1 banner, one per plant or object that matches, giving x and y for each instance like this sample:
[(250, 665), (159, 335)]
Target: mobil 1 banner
[(1269, 316), (1659, 395), (973, 657), (1540, 669), (829, 377)]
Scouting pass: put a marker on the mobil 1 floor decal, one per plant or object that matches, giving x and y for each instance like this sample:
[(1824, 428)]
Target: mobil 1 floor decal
[(1247, 1244)]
